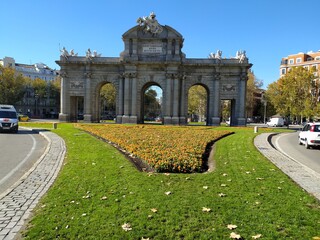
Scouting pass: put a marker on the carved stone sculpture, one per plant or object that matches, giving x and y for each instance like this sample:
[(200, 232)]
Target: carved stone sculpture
[(150, 24)]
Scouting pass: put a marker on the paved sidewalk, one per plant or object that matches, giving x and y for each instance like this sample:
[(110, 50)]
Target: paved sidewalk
[(17, 203), (305, 177)]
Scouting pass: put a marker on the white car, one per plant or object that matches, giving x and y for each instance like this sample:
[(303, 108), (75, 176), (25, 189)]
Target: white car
[(310, 135)]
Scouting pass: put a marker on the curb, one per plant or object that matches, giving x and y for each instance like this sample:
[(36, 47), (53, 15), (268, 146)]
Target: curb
[(305, 177), (17, 203)]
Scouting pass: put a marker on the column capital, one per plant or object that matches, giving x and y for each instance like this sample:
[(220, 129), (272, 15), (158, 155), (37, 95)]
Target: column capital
[(88, 74), (64, 74), (176, 76), (129, 75)]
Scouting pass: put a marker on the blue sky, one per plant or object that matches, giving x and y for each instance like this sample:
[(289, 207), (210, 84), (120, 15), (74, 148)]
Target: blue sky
[(33, 31)]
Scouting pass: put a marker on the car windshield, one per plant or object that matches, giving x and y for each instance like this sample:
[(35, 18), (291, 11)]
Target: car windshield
[(317, 128), (8, 114)]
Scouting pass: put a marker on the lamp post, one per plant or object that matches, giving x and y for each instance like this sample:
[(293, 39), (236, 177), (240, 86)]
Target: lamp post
[(265, 111), (36, 97)]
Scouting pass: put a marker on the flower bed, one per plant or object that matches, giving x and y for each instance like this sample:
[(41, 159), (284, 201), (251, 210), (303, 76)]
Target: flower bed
[(164, 148)]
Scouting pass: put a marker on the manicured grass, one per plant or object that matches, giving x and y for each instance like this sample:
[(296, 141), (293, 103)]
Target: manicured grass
[(98, 190)]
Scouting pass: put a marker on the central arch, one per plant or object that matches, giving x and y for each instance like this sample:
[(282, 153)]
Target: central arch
[(151, 103)]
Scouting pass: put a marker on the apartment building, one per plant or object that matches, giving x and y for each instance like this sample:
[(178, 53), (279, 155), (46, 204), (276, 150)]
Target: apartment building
[(33, 71), (33, 104), (308, 60)]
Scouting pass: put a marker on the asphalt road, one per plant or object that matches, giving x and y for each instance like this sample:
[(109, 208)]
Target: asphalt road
[(288, 144), (18, 153)]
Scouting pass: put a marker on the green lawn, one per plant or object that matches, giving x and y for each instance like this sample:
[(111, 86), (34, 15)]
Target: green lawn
[(98, 191)]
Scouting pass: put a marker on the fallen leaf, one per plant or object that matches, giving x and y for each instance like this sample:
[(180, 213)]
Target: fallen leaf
[(154, 210), (235, 236), (223, 185), (231, 226), (204, 209), (205, 187), (168, 193), (222, 195), (224, 174), (126, 227), (104, 198), (144, 238), (258, 236)]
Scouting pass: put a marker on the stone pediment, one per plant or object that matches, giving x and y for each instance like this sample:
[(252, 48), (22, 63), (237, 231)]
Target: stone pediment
[(152, 43)]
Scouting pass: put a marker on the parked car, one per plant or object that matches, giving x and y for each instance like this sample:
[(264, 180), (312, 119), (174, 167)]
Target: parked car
[(23, 118), (310, 135), (275, 122), (8, 118)]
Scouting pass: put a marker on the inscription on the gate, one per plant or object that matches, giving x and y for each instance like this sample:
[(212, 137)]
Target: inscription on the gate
[(151, 48)]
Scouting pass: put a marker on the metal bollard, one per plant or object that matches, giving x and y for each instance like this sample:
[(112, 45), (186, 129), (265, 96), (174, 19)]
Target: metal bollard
[(256, 129), (55, 125)]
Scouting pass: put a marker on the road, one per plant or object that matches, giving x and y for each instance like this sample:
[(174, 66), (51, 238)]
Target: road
[(288, 144), (18, 154)]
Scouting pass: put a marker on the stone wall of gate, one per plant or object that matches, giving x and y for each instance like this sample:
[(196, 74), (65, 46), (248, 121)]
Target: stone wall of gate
[(152, 55)]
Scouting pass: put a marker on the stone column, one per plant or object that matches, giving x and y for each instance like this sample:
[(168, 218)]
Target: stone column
[(64, 114), (87, 117), (127, 95), (176, 99), (215, 101), (133, 116), (167, 119), (120, 99), (241, 119), (183, 95)]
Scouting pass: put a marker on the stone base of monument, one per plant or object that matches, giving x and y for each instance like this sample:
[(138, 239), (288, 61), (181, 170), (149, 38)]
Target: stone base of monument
[(87, 118), (63, 117)]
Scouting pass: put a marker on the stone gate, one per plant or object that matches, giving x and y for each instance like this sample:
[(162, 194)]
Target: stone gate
[(152, 56)]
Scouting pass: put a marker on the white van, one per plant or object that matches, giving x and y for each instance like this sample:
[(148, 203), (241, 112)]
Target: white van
[(8, 118), (275, 122)]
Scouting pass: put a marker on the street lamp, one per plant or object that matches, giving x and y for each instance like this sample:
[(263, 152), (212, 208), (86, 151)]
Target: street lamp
[(265, 111)]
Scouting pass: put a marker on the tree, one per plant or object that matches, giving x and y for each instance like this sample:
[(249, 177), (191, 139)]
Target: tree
[(108, 100), (197, 101), (253, 86), (294, 93), (152, 106), (12, 86)]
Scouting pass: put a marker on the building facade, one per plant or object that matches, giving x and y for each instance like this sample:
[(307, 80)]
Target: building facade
[(32, 71), (307, 60), (33, 104), (152, 56)]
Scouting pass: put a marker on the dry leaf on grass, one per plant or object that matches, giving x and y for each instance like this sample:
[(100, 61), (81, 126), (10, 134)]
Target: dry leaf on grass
[(204, 209), (232, 226), (126, 227), (259, 236), (168, 193), (235, 235), (154, 210)]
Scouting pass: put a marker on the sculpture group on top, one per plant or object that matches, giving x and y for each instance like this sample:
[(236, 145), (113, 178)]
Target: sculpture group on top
[(150, 24), (240, 55), (65, 54)]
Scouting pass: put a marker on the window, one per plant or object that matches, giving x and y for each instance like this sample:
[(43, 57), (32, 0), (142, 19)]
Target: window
[(298, 60), (317, 58), (291, 61), (283, 71)]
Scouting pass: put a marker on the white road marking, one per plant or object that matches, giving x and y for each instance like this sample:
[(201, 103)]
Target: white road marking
[(34, 144)]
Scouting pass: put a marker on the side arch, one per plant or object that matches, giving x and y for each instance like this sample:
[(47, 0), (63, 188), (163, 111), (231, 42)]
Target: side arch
[(97, 85), (207, 100)]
